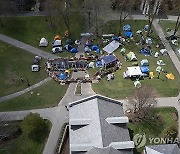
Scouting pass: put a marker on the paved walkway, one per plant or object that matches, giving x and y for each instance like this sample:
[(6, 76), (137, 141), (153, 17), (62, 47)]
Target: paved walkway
[(26, 47), (16, 94)]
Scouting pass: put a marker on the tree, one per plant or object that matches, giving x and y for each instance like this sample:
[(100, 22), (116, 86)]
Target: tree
[(177, 25), (34, 127), (124, 8), (142, 101), (6, 7)]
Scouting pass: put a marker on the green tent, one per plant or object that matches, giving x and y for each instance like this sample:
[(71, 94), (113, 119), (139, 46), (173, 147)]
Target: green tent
[(131, 56)]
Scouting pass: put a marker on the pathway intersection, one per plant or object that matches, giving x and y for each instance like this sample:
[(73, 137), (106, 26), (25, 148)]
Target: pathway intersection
[(59, 115)]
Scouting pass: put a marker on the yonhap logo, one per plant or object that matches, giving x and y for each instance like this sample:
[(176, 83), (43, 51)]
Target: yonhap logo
[(139, 140)]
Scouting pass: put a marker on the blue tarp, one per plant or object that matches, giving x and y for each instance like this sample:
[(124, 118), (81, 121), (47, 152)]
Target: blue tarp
[(127, 28), (62, 76), (144, 69), (128, 34), (94, 47), (109, 59), (74, 50)]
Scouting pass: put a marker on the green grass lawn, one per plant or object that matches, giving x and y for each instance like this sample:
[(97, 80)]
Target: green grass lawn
[(50, 95), (154, 128), (31, 29), (121, 88), (14, 65), (23, 144)]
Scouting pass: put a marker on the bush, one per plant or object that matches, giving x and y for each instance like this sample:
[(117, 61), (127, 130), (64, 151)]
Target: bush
[(34, 127), (170, 132)]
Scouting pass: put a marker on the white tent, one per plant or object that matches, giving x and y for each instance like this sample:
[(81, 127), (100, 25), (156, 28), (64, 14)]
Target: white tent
[(35, 68), (163, 52), (43, 42), (56, 49), (134, 71), (111, 47), (57, 43)]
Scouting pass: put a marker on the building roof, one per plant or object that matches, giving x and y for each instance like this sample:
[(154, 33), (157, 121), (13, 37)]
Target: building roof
[(163, 149), (101, 126)]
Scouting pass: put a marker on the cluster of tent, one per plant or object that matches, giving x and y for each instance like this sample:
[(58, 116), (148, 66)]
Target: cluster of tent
[(89, 47), (57, 44)]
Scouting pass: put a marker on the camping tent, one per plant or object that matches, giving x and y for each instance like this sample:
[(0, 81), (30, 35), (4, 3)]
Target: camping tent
[(57, 37), (131, 56), (68, 47), (57, 49), (87, 49), (137, 84), (144, 62), (146, 51), (146, 27), (133, 71), (94, 47), (123, 50), (170, 76), (108, 60), (43, 42), (144, 69), (163, 52), (74, 50), (127, 28), (149, 40), (62, 76), (128, 34), (99, 64), (111, 47), (69, 41), (91, 65), (57, 43), (160, 62)]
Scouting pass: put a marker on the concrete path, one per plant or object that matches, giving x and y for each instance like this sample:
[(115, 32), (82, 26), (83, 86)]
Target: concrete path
[(11, 96), (166, 44), (26, 47)]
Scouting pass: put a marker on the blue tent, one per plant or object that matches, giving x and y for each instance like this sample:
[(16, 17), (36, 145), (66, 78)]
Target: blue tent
[(109, 59), (128, 34), (127, 28), (68, 47), (99, 64), (115, 38), (98, 51), (74, 50), (62, 76), (144, 69), (94, 47), (145, 51)]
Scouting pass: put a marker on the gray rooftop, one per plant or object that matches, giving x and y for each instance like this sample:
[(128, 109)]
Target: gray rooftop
[(96, 133), (163, 149)]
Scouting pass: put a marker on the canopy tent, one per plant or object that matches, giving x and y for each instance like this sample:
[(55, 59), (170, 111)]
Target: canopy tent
[(133, 71), (111, 47), (128, 34), (57, 49), (57, 37), (126, 28), (170, 76), (144, 69), (137, 84), (131, 56), (109, 59), (57, 43), (74, 50), (163, 52), (43, 42), (62, 76), (144, 62)]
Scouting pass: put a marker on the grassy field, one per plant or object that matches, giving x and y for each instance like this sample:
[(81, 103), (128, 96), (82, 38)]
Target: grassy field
[(47, 95), (121, 88), (152, 127), (31, 29), (14, 65), (23, 144)]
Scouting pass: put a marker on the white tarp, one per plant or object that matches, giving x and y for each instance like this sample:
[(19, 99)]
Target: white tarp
[(111, 47)]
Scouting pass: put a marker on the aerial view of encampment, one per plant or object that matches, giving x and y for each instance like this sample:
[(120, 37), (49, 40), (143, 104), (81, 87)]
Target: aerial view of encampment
[(89, 76)]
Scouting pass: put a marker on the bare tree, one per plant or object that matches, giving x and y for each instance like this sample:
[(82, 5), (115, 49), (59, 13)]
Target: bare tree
[(177, 25), (142, 101), (6, 7), (124, 8)]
